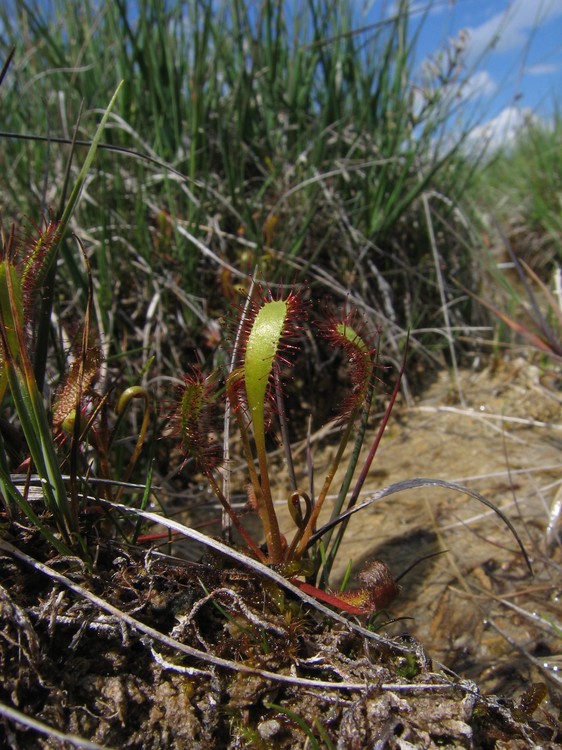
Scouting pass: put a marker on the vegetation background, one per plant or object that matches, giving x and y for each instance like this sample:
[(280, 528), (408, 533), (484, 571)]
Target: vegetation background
[(298, 147), (249, 136)]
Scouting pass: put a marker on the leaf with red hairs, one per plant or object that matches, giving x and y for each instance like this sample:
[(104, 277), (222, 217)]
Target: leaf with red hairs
[(348, 332), (192, 418)]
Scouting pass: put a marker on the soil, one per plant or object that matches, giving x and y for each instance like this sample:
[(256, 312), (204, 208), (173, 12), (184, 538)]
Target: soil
[(147, 651)]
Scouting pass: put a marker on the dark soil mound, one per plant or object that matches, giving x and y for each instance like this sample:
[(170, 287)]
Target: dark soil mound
[(152, 652)]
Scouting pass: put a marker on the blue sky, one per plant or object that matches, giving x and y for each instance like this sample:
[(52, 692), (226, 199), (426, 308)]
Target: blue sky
[(513, 55)]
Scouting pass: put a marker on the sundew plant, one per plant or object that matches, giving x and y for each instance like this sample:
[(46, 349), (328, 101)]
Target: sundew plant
[(266, 342), (267, 338)]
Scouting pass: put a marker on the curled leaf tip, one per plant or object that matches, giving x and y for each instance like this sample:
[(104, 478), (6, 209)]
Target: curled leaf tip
[(349, 333)]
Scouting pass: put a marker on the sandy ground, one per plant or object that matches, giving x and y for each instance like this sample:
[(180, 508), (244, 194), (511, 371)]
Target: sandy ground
[(499, 433)]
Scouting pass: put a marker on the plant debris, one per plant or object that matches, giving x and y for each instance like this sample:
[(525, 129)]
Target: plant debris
[(90, 672)]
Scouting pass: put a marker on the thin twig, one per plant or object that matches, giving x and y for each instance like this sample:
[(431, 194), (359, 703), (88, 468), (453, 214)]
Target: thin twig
[(38, 726), (442, 295)]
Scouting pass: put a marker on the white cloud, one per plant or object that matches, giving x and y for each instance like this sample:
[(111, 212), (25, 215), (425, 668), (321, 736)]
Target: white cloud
[(541, 69), (502, 130), (510, 29), (479, 84)]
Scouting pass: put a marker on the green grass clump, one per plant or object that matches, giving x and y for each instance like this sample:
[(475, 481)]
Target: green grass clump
[(522, 236), (271, 134)]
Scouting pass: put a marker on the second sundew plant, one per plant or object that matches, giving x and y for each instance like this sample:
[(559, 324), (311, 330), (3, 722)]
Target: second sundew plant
[(267, 339)]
